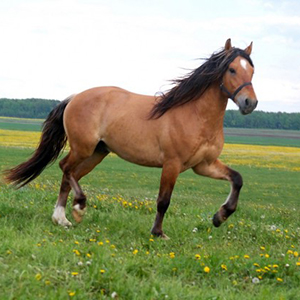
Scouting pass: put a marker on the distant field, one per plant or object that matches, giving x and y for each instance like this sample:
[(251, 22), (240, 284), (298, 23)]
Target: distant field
[(21, 124), (271, 137)]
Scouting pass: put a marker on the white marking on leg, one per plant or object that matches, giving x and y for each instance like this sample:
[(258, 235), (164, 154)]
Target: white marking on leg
[(59, 216), (80, 211), (244, 63)]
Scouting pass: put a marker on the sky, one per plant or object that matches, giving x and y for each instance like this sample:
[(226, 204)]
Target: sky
[(54, 48)]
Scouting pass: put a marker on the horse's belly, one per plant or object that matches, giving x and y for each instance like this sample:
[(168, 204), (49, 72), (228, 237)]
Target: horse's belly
[(142, 154)]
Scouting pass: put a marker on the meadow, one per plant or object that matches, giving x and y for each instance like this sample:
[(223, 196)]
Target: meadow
[(112, 255)]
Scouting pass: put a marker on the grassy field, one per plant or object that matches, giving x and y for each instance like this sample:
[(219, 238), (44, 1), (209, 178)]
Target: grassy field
[(111, 254)]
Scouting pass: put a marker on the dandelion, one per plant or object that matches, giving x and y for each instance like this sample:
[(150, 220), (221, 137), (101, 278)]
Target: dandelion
[(267, 255), (151, 240), (74, 274), (38, 276), (255, 280), (102, 271), (298, 263), (197, 256), (256, 265), (88, 255), (100, 243), (224, 267), (246, 256), (262, 248), (107, 241), (275, 266), (206, 269), (172, 255), (47, 282), (135, 251), (290, 252), (71, 294), (92, 240), (8, 252), (112, 246), (296, 254), (76, 252), (76, 242), (279, 279)]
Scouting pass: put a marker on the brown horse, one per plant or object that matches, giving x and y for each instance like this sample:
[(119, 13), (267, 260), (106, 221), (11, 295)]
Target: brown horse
[(176, 131)]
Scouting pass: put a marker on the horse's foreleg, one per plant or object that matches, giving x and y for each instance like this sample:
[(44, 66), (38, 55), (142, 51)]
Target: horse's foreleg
[(218, 170), (168, 178)]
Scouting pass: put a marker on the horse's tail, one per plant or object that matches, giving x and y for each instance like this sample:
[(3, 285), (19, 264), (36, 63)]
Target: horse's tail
[(52, 141)]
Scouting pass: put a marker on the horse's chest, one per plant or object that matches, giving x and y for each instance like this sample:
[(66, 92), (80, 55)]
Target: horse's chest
[(207, 151)]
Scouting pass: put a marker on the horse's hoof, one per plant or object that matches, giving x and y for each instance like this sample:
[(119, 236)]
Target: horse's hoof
[(78, 213), (164, 237), (217, 220), (62, 222)]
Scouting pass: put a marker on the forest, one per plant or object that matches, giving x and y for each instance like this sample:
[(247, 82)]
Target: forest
[(40, 108)]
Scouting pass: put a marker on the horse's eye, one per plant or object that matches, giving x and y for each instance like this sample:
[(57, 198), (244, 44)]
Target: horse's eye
[(232, 71)]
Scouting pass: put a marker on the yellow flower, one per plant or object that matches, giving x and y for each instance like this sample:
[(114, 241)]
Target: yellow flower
[(256, 265), (279, 279), (296, 254), (262, 248), (275, 266), (100, 243), (112, 246), (197, 256), (268, 269), (92, 240), (246, 256), (74, 273), (88, 255), (206, 269), (102, 271), (71, 294), (151, 240), (172, 255), (224, 267), (267, 255), (135, 251), (76, 242), (76, 252), (38, 276), (290, 252), (298, 263), (47, 282), (107, 241)]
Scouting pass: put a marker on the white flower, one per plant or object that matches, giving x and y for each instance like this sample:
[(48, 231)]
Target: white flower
[(255, 280), (80, 263), (210, 237), (195, 230), (287, 265), (273, 227), (114, 295)]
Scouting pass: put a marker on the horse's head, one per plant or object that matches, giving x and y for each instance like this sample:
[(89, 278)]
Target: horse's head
[(236, 83)]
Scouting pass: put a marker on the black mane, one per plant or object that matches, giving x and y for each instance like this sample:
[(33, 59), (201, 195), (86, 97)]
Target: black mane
[(194, 84)]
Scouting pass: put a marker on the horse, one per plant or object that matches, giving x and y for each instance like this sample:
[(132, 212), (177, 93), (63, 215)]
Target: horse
[(176, 130)]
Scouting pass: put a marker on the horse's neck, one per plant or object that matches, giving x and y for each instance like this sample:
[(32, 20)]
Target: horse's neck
[(211, 106)]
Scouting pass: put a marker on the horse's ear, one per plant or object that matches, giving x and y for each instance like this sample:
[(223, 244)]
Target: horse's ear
[(228, 45), (248, 50)]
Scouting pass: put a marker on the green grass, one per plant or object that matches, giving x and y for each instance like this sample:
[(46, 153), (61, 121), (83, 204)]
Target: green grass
[(39, 260)]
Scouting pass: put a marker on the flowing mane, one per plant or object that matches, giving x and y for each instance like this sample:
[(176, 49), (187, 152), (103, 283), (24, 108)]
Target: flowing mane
[(194, 84)]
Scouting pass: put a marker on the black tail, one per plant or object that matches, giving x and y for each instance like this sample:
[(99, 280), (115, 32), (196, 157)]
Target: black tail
[(53, 140)]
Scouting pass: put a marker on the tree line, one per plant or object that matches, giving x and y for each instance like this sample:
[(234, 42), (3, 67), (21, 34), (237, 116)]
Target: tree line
[(40, 108)]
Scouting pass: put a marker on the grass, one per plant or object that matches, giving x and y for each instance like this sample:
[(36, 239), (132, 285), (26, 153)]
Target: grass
[(254, 255)]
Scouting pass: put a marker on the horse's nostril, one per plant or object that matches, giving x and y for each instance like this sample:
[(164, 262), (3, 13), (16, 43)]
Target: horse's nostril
[(246, 102)]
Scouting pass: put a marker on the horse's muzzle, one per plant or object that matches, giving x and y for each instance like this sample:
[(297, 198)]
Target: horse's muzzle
[(246, 105)]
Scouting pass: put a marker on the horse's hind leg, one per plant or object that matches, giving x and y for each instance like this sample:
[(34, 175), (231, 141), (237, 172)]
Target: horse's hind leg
[(218, 170), (59, 215), (79, 203)]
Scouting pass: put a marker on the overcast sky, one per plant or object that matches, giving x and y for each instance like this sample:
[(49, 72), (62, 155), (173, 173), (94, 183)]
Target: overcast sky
[(51, 49)]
